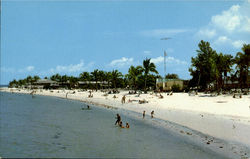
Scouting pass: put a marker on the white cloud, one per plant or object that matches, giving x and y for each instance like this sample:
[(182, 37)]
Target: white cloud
[(238, 43), (205, 32), (169, 60), (157, 60), (8, 70), (147, 52), (30, 68), (122, 62), (224, 40), (228, 20), (70, 68), (230, 28), (21, 70), (160, 33)]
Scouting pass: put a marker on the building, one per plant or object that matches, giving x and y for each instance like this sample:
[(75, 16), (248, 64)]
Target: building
[(92, 84), (167, 84), (46, 84)]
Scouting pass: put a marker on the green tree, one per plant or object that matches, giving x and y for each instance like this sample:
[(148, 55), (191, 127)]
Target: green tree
[(56, 77), (95, 76), (203, 68), (133, 75), (147, 68), (115, 77), (172, 76), (223, 66), (242, 60), (85, 76)]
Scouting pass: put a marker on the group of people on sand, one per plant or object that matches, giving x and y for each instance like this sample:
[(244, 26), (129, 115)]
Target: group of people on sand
[(119, 121)]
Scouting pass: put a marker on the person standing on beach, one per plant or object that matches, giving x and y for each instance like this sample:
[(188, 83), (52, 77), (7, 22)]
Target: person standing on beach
[(152, 114), (123, 99), (143, 114), (118, 119)]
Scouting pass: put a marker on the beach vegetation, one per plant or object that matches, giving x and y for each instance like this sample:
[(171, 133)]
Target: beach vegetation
[(147, 68), (176, 88)]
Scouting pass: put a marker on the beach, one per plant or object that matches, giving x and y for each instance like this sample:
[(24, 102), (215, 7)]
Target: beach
[(220, 123)]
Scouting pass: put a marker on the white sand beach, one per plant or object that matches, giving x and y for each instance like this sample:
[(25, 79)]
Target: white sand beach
[(219, 117)]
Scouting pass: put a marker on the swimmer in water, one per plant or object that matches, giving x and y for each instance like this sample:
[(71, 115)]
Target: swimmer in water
[(127, 125), (120, 124)]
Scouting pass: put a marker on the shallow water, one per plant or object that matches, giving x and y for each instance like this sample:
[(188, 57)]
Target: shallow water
[(53, 127)]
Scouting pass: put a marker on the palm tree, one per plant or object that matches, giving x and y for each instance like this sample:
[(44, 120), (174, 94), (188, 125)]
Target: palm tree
[(115, 76), (148, 67), (95, 76), (85, 76), (108, 77), (243, 61), (133, 75), (56, 77)]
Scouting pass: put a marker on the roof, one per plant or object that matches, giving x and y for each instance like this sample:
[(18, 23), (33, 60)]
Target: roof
[(159, 80), (45, 81), (92, 82)]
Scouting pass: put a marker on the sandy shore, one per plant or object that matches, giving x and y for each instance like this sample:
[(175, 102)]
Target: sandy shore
[(224, 122)]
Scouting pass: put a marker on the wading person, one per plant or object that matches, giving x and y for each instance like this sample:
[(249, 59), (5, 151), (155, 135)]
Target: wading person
[(152, 114), (118, 119), (127, 125), (143, 114)]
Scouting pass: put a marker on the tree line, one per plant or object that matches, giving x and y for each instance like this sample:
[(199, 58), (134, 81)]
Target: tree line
[(208, 69), (140, 77)]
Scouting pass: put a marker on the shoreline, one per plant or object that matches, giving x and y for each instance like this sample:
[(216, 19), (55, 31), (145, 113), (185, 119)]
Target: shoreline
[(223, 132)]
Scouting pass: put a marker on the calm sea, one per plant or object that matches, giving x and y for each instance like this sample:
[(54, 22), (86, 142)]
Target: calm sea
[(42, 126)]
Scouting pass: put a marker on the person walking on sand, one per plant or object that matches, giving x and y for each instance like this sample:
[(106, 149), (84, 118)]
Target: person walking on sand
[(152, 114), (123, 99), (143, 114), (118, 119)]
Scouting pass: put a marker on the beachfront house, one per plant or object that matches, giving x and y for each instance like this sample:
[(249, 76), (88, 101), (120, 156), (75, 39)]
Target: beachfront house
[(92, 84), (46, 84), (164, 84)]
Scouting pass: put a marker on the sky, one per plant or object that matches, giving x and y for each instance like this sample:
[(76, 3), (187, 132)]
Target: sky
[(69, 37)]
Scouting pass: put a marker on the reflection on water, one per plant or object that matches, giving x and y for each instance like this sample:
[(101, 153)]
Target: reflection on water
[(52, 127)]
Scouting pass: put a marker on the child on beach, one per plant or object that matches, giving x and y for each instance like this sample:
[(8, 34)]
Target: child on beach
[(152, 114)]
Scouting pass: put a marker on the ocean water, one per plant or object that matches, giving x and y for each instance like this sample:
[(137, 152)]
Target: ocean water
[(42, 126)]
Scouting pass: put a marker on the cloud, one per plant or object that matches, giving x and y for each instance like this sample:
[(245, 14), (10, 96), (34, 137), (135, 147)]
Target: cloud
[(229, 20), (224, 40), (122, 62), (26, 69), (8, 70), (230, 28), (205, 32), (147, 52), (30, 68), (72, 68), (21, 70), (169, 60), (159, 33)]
